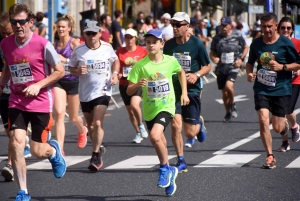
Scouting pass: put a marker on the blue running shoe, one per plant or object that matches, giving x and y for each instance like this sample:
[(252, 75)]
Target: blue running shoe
[(27, 152), (21, 196), (164, 179), (202, 133), (58, 162), (181, 166), (170, 190), (190, 142)]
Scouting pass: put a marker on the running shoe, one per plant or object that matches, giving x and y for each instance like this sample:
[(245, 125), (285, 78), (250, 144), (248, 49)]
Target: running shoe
[(82, 138), (22, 196), (96, 161), (285, 146), (8, 173), (27, 152), (233, 109), (101, 154), (190, 142), (202, 133), (58, 162), (138, 139), (227, 117), (170, 190), (270, 162), (143, 131), (181, 166), (295, 134), (165, 175), (286, 129)]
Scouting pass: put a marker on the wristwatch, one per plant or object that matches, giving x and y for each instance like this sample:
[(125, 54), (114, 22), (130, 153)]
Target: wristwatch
[(115, 72), (284, 67), (198, 75)]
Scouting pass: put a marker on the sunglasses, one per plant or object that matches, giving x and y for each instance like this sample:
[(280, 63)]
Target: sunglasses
[(283, 28), (177, 25), (21, 22), (89, 33)]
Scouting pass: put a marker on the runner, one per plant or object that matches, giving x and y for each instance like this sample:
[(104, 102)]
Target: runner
[(66, 89), (192, 55), (277, 58), (155, 71), (31, 94), (286, 28), (91, 61), (128, 56), (228, 50)]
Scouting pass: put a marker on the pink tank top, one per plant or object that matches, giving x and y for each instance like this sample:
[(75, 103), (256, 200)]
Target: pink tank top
[(28, 66)]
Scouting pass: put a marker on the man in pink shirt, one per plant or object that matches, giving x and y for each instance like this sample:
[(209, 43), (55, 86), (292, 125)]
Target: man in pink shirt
[(28, 59)]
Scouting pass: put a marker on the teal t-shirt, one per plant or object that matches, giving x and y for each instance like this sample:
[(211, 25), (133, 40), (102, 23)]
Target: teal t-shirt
[(268, 82), (191, 56), (158, 95)]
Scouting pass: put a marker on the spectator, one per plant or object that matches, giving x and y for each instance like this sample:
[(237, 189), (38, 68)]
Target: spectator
[(246, 29), (211, 27), (196, 18), (118, 37), (148, 23), (140, 32), (140, 16), (46, 22), (40, 26), (167, 28), (105, 22)]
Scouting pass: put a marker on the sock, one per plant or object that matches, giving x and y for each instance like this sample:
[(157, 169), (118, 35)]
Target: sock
[(138, 133), (26, 191), (27, 141), (164, 166), (54, 153), (180, 158), (96, 154)]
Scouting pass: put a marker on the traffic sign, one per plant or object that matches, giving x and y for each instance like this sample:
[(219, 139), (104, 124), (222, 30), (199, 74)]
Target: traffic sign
[(256, 9)]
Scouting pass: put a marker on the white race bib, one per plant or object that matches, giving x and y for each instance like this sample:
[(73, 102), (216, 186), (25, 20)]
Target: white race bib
[(227, 58), (126, 71), (66, 67), (157, 89), (21, 73), (184, 60), (267, 77), (96, 66)]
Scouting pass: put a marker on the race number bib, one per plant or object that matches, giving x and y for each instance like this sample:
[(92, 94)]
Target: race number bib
[(126, 71), (21, 73), (96, 66), (227, 58), (66, 67), (158, 89), (184, 60), (267, 77)]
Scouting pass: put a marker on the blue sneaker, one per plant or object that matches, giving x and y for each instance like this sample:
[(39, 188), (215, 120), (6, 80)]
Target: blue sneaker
[(49, 136), (190, 142), (170, 190), (21, 196), (202, 133), (181, 166), (58, 162), (164, 179), (27, 152)]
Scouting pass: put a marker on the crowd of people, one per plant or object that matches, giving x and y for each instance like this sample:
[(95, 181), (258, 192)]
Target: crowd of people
[(160, 65)]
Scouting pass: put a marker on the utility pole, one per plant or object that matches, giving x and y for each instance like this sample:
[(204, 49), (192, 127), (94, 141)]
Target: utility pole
[(277, 8), (224, 6)]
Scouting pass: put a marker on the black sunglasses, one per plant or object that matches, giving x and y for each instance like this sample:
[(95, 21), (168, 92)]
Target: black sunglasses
[(283, 28), (21, 22), (88, 33), (177, 25)]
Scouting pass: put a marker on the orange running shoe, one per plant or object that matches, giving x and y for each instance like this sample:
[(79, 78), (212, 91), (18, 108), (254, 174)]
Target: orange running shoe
[(82, 138)]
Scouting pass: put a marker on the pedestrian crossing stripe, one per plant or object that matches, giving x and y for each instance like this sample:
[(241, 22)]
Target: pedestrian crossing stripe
[(295, 163)]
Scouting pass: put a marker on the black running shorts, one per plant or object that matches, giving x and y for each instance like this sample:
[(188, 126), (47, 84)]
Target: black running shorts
[(88, 107), (277, 105), (163, 118)]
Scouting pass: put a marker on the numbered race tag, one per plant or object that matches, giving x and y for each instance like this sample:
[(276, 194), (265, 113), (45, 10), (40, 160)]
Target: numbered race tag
[(96, 66), (66, 67), (267, 77), (21, 73), (158, 89), (184, 60), (126, 71), (6, 88), (227, 58)]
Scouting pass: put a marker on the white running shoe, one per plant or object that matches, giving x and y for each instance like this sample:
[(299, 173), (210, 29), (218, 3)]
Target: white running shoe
[(138, 139), (143, 131)]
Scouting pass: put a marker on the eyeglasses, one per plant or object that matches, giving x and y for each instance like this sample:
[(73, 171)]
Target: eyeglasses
[(89, 33), (283, 28), (177, 25), (21, 22)]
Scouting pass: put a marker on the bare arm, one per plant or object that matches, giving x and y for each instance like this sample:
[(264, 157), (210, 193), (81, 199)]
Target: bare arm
[(118, 36), (250, 75), (5, 76), (213, 57), (182, 79), (43, 32), (192, 77), (115, 71), (132, 88)]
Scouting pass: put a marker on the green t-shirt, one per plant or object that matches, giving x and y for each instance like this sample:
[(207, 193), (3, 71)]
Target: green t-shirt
[(268, 82), (158, 94), (191, 56)]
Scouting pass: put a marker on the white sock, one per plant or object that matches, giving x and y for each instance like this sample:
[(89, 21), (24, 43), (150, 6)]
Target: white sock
[(54, 153), (27, 140), (26, 192)]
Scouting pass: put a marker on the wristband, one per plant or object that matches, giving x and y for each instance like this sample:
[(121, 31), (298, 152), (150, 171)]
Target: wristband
[(67, 60), (115, 72)]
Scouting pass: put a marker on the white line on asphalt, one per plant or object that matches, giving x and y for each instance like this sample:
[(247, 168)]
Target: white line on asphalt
[(295, 163)]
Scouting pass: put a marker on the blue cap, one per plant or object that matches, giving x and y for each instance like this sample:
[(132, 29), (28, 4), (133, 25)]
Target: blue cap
[(156, 33), (226, 20)]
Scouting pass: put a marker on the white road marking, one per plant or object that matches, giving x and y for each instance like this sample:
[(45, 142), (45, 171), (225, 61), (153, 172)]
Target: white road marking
[(237, 98), (295, 163)]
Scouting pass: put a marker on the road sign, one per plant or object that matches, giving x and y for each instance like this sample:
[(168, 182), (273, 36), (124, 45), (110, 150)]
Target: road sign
[(255, 9)]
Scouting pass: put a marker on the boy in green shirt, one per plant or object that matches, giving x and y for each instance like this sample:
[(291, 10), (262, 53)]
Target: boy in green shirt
[(153, 74)]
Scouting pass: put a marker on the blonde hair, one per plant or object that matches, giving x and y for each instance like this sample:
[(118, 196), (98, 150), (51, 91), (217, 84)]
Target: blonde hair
[(70, 20)]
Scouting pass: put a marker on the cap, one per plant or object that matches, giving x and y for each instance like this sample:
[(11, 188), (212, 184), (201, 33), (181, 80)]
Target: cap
[(205, 20), (45, 14), (180, 16), (226, 20), (131, 32), (156, 33), (140, 21), (166, 16), (93, 26)]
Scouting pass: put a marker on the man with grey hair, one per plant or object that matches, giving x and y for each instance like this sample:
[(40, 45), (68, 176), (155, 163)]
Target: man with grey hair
[(167, 29)]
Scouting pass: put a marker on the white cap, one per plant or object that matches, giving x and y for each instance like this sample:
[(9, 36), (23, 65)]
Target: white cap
[(205, 20), (166, 16), (131, 32), (180, 16)]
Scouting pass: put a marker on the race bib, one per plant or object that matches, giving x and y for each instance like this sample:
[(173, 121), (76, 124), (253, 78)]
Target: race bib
[(184, 60), (96, 66), (158, 89), (267, 77), (21, 73), (227, 58), (126, 71), (66, 67)]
